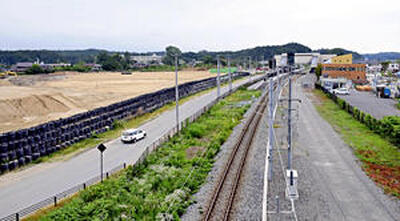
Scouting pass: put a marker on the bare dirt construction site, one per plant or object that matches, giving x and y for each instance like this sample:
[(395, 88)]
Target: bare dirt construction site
[(30, 100)]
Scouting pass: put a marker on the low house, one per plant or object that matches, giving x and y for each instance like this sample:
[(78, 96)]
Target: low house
[(94, 67), (393, 67), (147, 59), (21, 66)]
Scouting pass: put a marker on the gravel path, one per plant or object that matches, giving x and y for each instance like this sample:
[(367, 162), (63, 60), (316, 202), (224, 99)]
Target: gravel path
[(331, 184)]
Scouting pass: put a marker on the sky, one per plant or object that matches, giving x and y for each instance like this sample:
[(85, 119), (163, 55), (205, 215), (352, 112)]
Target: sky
[(365, 26)]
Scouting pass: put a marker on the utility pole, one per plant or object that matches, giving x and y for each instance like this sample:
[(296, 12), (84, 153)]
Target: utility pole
[(290, 125), (218, 80), (271, 128), (263, 63), (229, 73), (176, 93), (249, 63)]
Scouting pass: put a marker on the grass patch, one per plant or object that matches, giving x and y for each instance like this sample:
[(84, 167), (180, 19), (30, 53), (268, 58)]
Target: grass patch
[(380, 158), (222, 70), (162, 185)]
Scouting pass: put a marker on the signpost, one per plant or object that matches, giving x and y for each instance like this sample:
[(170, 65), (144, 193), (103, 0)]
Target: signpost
[(101, 148)]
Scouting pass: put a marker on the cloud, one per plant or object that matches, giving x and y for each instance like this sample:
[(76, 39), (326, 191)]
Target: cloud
[(365, 26)]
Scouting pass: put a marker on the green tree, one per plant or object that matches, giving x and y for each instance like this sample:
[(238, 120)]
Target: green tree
[(111, 62), (81, 67), (35, 69), (208, 59), (385, 65), (171, 52), (318, 71)]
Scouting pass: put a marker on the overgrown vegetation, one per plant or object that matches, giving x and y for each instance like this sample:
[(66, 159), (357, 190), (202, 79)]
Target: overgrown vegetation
[(380, 158), (160, 188)]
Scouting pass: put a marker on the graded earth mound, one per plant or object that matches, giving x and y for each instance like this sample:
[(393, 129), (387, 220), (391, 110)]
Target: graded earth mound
[(30, 100)]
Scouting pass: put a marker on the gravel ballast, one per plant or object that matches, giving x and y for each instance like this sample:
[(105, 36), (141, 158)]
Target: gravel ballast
[(202, 198)]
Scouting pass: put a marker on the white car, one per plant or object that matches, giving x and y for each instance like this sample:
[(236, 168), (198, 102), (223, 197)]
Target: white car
[(341, 91), (132, 135)]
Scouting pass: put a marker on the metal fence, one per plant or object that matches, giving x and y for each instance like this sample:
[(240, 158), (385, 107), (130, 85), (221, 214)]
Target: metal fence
[(54, 200)]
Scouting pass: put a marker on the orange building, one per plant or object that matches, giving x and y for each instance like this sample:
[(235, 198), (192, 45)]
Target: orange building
[(348, 71)]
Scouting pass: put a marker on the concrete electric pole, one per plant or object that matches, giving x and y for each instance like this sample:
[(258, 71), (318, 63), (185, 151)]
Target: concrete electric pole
[(176, 93), (218, 80), (229, 74)]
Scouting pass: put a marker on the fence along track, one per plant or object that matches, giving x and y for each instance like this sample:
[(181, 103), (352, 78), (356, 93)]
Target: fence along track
[(224, 194)]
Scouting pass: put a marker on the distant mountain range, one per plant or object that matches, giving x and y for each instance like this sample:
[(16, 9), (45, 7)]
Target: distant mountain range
[(383, 56), (340, 51), (267, 52)]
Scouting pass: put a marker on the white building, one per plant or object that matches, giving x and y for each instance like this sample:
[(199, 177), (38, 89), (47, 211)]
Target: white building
[(312, 59), (147, 59), (393, 67)]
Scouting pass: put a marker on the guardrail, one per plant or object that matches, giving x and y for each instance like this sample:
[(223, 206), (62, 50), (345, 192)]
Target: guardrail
[(54, 200)]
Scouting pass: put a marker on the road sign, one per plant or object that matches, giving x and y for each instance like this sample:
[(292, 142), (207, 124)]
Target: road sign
[(101, 148)]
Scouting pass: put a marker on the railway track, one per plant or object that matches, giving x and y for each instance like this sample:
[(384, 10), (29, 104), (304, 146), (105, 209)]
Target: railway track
[(223, 197)]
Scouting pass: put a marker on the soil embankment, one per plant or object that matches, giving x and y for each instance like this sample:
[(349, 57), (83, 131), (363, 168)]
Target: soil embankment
[(30, 100)]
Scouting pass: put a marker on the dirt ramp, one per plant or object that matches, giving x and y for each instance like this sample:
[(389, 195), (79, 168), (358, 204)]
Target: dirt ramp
[(32, 108)]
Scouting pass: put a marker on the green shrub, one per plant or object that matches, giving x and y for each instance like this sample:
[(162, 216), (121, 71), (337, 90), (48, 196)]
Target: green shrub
[(197, 130)]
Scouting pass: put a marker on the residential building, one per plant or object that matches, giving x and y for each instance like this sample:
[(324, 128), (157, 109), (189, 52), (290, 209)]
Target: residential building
[(342, 59), (95, 67), (147, 59), (393, 67), (374, 68), (348, 71), (21, 66)]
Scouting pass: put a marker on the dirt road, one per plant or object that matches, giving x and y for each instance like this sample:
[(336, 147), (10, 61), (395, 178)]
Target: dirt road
[(30, 100)]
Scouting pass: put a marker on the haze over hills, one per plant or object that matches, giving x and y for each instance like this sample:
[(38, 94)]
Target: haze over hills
[(382, 56), (257, 53)]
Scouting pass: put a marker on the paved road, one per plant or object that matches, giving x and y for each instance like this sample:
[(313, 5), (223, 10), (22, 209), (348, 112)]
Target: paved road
[(339, 189), (42, 181), (369, 103)]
